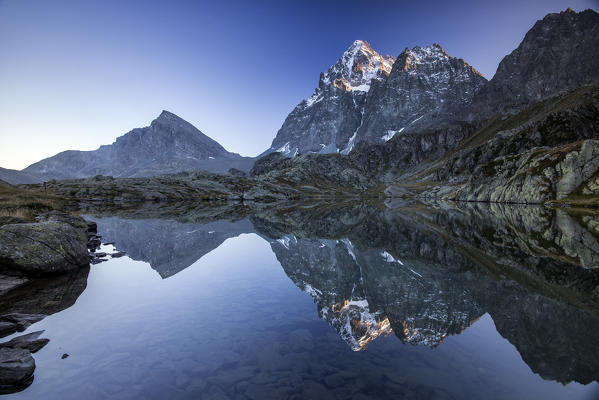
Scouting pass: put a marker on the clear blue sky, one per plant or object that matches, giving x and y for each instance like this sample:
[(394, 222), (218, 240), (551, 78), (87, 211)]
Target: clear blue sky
[(78, 74)]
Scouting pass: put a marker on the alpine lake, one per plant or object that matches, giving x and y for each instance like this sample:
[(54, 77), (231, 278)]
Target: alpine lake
[(324, 301)]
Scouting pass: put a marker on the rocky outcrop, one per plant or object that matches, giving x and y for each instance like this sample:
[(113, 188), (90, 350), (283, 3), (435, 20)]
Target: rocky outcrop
[(16, 369), (57, 244), (170, 144), (536, 176), (543, 153), (30, 342), (328, 120), (272, 181), (197, 186)]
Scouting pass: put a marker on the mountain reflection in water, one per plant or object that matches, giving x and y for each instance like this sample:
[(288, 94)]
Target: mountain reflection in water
[(419, 273)]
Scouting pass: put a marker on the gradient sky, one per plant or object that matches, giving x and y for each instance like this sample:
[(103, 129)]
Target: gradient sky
[(78, 74)]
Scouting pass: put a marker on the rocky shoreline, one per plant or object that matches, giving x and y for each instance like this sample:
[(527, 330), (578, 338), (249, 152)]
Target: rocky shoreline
[(31, 253)]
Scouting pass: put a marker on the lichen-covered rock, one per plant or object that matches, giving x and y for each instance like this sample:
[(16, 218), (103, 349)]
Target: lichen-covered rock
[(54, 246), (535, 176)]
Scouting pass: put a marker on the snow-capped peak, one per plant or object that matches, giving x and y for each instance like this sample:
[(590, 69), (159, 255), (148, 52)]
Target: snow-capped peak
[(358, 65)]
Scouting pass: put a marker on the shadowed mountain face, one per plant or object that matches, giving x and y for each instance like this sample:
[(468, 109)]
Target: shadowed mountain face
[(418, 273), (559, 53), (170, 144)]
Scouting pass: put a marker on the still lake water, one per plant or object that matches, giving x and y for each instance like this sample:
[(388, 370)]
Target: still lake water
[(344, 307)]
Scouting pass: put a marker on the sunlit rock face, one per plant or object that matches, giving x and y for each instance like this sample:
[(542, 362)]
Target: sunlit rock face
[(327, 121), (371, 98)]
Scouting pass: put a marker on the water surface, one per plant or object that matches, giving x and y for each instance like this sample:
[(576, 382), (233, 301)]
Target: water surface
[(342, 303)]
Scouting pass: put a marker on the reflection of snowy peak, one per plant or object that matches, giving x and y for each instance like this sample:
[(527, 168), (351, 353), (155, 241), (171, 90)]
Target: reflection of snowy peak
[(354, 321), (168, 246), (369, 293)]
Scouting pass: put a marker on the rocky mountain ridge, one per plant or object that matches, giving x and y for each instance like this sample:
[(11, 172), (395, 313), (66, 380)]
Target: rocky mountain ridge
[(558, 54)]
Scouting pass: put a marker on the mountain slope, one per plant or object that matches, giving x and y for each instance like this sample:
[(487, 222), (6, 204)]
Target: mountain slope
[(559, 53), (15, 177), (326, 121), (170, 144)]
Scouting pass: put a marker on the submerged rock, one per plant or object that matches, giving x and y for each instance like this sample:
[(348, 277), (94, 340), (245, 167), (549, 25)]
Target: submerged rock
[(16, 368), (29, 342), (16, 363)]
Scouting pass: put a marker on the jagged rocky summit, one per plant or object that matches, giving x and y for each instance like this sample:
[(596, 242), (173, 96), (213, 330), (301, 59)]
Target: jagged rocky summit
[(169, 145), (327, 120), (367, 97)]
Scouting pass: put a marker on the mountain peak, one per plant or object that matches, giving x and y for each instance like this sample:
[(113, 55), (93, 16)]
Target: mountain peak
[(426, 53), (168, 116), (358, 65)]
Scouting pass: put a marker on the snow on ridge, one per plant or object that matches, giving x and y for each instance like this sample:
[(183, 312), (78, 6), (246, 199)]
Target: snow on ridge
[(286, 150), (390, 133), (389, 258)]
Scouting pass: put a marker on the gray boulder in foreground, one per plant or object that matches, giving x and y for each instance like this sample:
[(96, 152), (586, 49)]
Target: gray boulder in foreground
[(53, 246)]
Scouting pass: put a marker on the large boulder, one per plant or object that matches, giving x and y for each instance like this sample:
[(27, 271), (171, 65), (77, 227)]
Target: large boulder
[(57, 244)]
